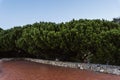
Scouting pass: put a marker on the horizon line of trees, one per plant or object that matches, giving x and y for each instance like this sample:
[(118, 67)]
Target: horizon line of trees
[(94, 41)]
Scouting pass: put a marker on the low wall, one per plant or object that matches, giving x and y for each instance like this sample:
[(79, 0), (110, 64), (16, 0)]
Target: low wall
[(83, 66)]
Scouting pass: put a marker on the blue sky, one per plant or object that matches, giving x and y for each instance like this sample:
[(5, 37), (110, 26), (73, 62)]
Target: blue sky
[(22, 12)]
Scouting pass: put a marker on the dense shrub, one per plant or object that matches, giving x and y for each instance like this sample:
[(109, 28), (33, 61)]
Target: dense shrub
[(95, 41)]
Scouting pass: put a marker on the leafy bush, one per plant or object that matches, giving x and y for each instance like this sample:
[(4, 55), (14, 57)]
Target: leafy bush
[(95, 41)]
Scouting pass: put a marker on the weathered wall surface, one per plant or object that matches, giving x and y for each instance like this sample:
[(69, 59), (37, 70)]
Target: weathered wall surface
[(93, 67)]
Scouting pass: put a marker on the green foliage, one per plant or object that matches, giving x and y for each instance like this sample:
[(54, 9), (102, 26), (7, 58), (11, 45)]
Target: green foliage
[(95, 41), (109, 50)]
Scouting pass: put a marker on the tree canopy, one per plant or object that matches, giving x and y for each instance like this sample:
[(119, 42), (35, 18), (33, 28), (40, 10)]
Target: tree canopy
[(95, 41)]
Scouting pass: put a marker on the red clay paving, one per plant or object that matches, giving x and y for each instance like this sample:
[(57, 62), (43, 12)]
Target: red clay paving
[(24, 70)]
